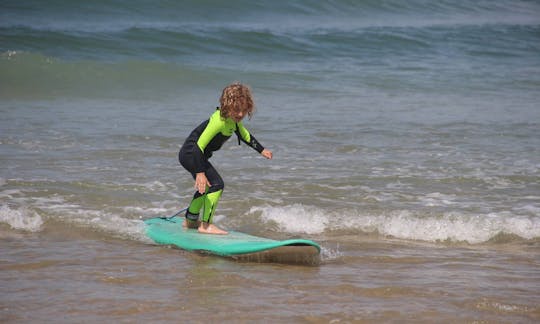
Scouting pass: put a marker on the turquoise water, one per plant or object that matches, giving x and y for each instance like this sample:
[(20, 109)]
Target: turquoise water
[(412, 121)]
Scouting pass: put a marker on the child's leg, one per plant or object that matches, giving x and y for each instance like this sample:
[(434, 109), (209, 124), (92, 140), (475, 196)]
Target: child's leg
[(211, 199), (192, 213), (210, 203)]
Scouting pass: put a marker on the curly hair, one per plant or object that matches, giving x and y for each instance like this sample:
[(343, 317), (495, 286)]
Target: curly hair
[(236, 97)]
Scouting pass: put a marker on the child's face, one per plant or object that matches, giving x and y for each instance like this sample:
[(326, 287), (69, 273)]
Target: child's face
[(237, 116)]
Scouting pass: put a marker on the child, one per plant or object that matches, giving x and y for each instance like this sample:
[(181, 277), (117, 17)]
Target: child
[(235, 103)]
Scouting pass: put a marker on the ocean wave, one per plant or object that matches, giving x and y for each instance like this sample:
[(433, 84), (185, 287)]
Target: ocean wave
[(32, 75), (336, 45), (163, 41), (21, 218), (125, 221), (409, 225), (115, 15), (263, 32), (59, 210), (150, 63)]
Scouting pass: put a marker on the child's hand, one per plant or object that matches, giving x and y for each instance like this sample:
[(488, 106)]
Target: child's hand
[(201, 182), (267, 154)]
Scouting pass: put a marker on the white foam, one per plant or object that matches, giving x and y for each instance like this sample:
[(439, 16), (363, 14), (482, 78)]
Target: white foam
[(404, 224), (23, 218), (117, 225), (529, 208), (437, 199), (296, 218), (329, 254), (142, 212), (155, 186), (10, 193), (453, 227), (104, 220)]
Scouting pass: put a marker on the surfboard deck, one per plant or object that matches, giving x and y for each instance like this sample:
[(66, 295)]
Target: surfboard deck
[(237, 245)]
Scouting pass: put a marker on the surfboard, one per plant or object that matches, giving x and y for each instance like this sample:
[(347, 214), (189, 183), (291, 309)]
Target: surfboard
[(236, 245)]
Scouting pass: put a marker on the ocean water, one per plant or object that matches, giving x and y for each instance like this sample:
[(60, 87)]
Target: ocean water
[(406, 140)]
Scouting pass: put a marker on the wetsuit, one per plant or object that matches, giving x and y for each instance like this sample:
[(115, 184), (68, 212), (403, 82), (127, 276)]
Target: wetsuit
[(207, 138)]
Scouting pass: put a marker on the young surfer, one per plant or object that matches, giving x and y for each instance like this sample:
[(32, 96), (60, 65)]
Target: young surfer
[(235, 103)]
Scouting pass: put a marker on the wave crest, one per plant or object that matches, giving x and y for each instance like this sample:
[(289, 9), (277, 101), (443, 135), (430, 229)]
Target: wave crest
[(448, 227), (22, 219)]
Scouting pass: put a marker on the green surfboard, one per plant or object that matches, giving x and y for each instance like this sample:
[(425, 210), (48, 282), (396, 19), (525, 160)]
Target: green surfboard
[(237, 245)]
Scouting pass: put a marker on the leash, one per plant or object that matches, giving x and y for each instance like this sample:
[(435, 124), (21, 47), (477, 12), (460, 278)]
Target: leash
[(168, 218)]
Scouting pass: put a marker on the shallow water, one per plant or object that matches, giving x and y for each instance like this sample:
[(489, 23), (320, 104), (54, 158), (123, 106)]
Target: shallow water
[(85, 276)]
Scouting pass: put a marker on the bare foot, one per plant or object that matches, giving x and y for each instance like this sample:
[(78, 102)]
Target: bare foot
[(190, 224), (207, 228)]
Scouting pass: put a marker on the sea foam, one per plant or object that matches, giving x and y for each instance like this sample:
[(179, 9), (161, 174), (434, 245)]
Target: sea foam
[(402, 224), (22, 219)]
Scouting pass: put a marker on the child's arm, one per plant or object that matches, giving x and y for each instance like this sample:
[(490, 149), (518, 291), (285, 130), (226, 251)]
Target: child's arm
[(244, 135)]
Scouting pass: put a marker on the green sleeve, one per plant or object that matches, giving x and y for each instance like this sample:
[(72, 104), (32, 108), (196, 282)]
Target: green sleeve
[(244, 135), (215, 124)]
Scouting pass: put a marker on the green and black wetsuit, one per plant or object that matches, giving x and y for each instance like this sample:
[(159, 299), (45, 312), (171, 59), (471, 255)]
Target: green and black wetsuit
[(207, 138)]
